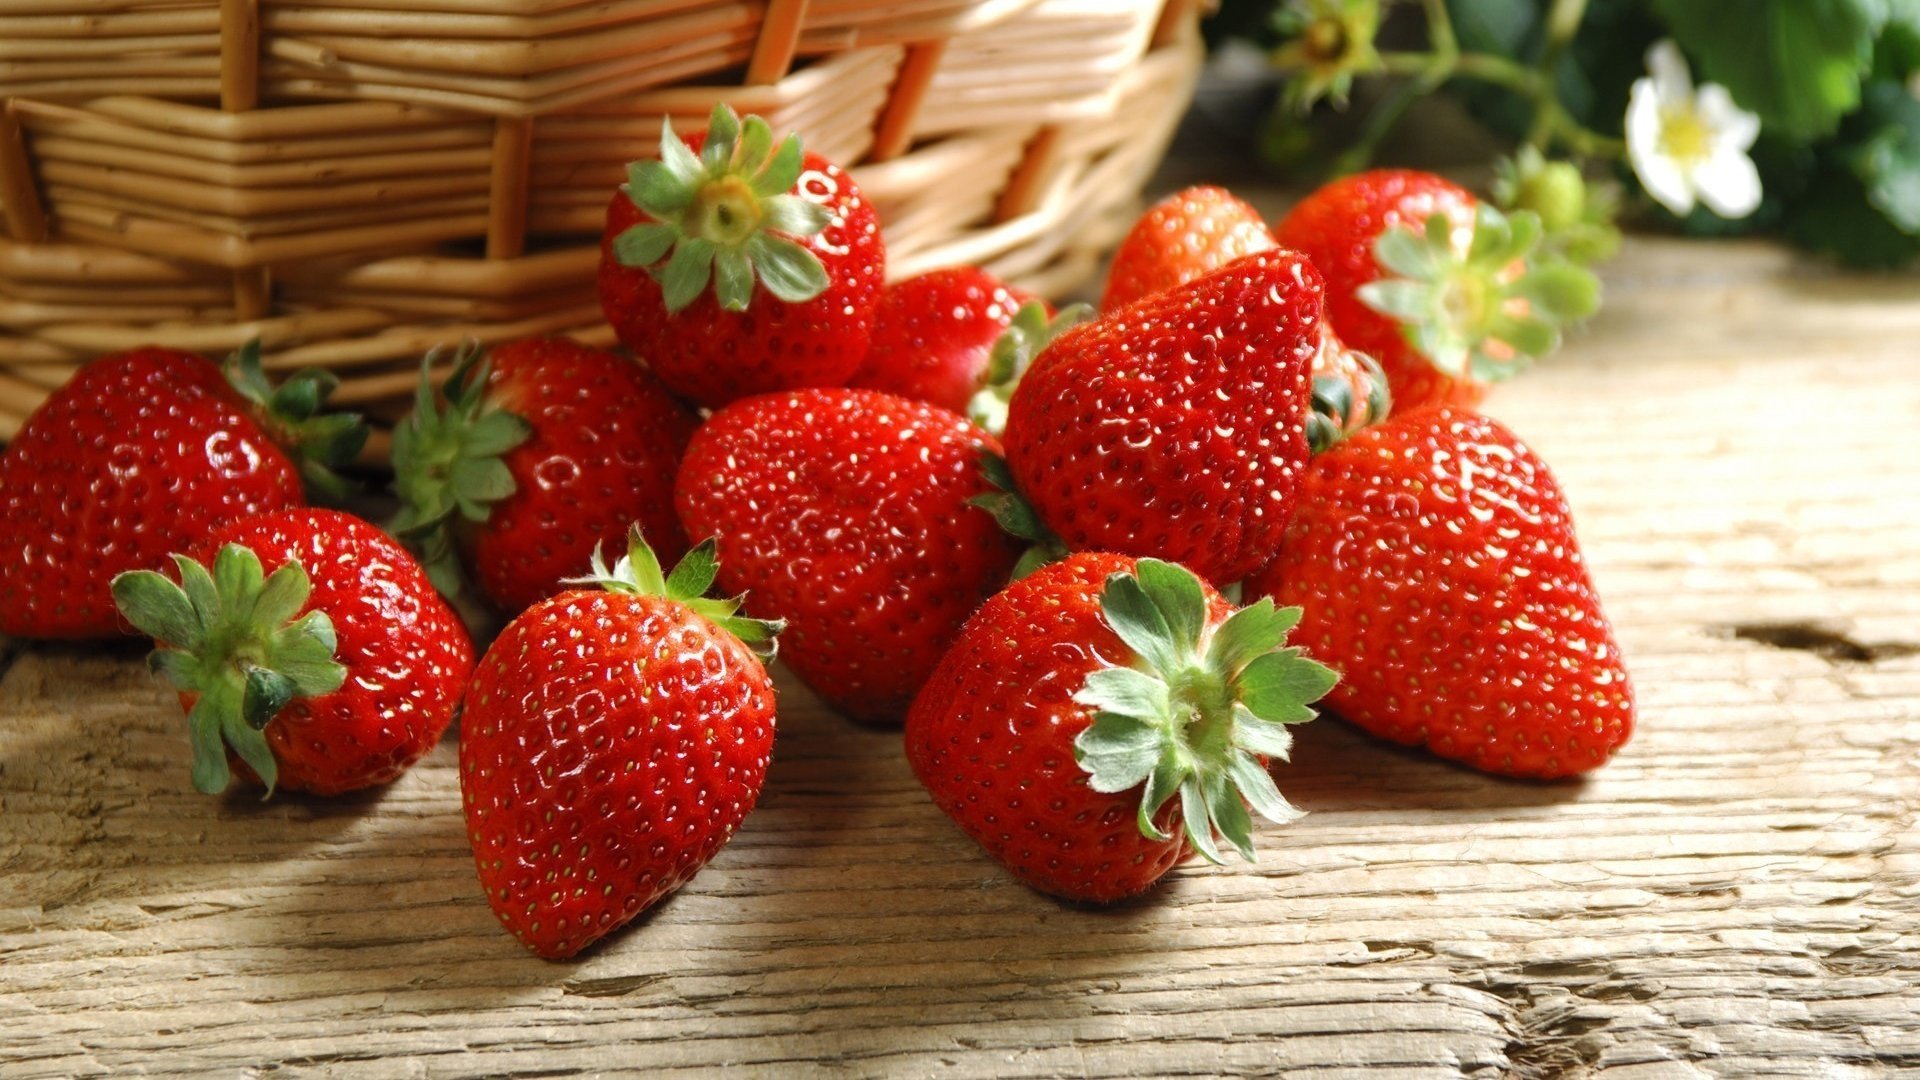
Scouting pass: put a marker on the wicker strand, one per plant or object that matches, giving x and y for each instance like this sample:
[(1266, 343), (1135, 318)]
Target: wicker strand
[(895, 132), (507, 194), (239, 55), (26, 218), (779, 39)]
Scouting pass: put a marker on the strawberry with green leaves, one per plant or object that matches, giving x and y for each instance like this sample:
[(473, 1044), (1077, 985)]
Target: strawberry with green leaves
[(1103, 717), (308, 648), (138, 456), (542, 450), (733, 266), (611, 742), (1175, 427), (1435, 558), (1446, 293), (934, 335), (846, 514)]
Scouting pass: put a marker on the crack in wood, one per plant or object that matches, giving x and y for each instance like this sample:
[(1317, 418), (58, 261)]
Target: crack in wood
[(1825, 642)]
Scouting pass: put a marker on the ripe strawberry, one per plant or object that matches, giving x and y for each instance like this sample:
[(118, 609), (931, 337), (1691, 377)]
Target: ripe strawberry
[(138, 455), (792, 248), (611, 742), (1176, 426), (1437, 287), (545, 449), (845, 513), (933, 334), (1436, 561), (316, 651), (1078, 702), (1186, 235)]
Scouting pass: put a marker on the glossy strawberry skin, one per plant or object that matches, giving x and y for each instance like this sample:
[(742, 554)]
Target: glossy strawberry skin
[(933, 333), (1337, 226), (991, 738), (1186, 235), (610, 745), (845, 513), (406, 653), (1436, 560), (133, 459), (712, 356), (1175, 427), (604, 446)]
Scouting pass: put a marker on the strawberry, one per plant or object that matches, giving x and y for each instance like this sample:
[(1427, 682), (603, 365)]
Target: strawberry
[(1435, 558), (315, 652), (1446, 293), (138, 455), (791, 247), (933, 335), (1176, 426), (845, 513), (611, 741), (545, 449), (1078, 702), (1188, 234)]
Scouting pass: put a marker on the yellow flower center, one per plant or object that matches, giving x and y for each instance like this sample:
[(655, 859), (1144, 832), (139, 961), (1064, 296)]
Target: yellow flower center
[(1683, 136)]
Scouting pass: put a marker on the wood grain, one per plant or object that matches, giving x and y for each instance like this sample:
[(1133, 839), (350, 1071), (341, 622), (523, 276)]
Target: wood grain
[(1738, 894)]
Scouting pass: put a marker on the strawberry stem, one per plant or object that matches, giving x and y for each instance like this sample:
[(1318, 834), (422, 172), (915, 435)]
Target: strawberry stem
[(638, 573)]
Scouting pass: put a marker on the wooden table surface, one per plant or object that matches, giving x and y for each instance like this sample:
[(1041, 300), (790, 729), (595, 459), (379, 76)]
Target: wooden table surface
[(1737, 894)]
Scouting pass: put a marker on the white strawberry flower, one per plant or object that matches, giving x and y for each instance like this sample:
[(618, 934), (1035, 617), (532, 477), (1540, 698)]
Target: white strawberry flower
[(1687, 144)]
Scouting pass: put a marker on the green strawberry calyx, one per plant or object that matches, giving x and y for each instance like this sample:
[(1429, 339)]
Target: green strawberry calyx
[(232, 638), (726, 215), (1016, 516), (1026, 337), (1334, 411), (639, 573), (448, 462), (320, 442), (1198, 709), (1485, 311)]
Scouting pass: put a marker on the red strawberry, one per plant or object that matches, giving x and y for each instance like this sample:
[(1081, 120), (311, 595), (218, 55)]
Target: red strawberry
[(1176, 427), (845, 513), (933, 334), (611, 742), (316, 651), (1186, 235), (791, 247), (138, 455), (1080, 701), (1436, 561), (546, 449), (1434, 285)]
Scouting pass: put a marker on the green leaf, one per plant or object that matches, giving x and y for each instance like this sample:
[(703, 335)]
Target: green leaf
[(1127, 692), (1161, 785), (1280, 685), (494, 433), (1797, 63), (304, 653), (157, 608), (1199, 824), (733, 278), (1118, 752), (679, 159), (1260, 736), (1256, 786), (237, 578), (794, 216), (695, 572), (266, 693), (1405, 252), (1178, 594), (1561, 291), (1888, 160), (788, 270), (756, 142), (1401, 298), (1138, 621), (1255, 629), (723, 131), (1228, 814), (654, 187), (477, 482), (782, 171), (251, 745), (642, 566), (1032, 559), (280, 598), (644, 244), (687, 272), (205, 734)]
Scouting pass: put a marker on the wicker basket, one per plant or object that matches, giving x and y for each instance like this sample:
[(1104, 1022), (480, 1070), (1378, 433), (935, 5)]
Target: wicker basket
[(354, 181)]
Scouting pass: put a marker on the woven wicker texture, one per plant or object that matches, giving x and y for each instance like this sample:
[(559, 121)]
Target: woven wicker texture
[(356, 181)]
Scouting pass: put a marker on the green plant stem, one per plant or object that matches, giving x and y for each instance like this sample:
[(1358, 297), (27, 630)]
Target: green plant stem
[(1427, 71)]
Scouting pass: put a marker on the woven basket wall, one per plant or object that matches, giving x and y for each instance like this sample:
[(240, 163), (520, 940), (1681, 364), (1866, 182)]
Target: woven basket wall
[(355, 181)]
